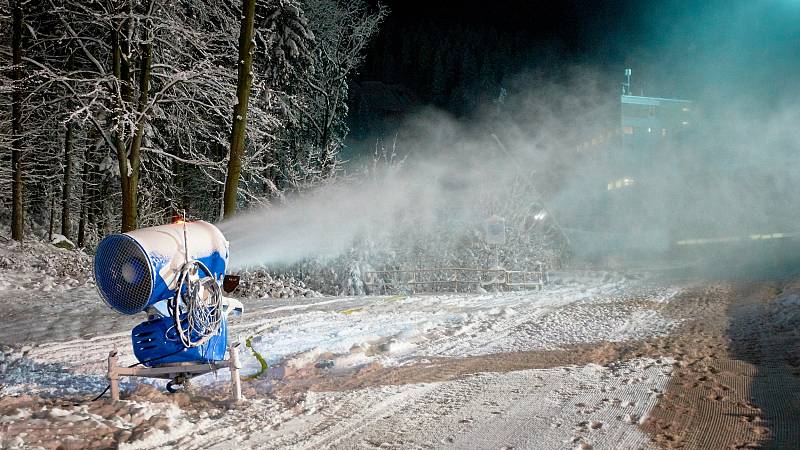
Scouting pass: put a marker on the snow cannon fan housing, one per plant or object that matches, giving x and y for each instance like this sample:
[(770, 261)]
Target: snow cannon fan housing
[(147, 270), (138, 269)]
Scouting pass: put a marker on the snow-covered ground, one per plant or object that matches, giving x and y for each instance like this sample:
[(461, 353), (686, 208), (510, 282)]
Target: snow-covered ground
[(57, 338), (357, 331), (567, 407), (397, 330)]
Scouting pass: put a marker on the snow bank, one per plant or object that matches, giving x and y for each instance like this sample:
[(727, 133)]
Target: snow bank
[(260, 284), (45, 267)]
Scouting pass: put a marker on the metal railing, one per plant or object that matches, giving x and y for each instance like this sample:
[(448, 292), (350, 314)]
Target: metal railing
[(452, 279)]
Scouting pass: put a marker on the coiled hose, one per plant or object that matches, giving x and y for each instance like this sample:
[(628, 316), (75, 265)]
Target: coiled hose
[(197, 317)]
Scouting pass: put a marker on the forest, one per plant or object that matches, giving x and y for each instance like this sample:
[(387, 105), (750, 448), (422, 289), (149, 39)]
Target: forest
[(118, 114)]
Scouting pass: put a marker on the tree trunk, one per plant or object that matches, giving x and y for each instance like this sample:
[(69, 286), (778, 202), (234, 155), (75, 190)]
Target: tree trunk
[(245, 80), (93, 212), (17, 207), (130, 198), (51, 229), (66, 223), (181, 176), (85, 189), (120, 48)]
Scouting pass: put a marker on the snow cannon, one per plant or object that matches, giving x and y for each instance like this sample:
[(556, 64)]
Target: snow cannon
[(175, 273), (140, 268)]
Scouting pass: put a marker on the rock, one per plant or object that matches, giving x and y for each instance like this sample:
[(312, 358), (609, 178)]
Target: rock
[(137, 420), (161, 423), (61, 241)]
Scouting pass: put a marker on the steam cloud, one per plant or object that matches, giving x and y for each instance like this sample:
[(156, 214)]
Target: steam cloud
[(735, 175)]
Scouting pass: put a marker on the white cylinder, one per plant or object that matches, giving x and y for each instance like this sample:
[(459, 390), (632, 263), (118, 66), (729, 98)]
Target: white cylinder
[(136, 269)]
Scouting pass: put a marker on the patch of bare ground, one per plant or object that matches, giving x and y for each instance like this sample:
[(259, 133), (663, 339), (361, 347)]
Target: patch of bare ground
[(287, 383), (736, 382), (445, 369), (59, 424)]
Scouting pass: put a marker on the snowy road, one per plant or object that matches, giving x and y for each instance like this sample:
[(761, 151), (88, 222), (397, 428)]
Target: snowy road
[(53, 352), (545, 408)]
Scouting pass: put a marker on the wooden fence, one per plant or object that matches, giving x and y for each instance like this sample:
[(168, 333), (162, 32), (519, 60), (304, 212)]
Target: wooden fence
[(452, 279)]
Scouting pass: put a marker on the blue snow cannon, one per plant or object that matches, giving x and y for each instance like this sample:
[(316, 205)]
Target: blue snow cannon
[(173, 273), (138, 269)]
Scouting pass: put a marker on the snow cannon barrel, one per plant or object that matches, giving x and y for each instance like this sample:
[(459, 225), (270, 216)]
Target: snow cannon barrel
[(137, 269)]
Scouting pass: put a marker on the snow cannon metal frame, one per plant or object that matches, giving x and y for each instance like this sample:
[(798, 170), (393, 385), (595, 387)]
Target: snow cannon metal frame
[(175, 274)]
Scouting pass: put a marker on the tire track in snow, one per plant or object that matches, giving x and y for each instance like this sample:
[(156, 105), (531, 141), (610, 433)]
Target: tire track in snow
[(538, 408)]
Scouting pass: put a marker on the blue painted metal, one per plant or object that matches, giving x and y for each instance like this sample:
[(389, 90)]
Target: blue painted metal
[(140, 268), (215, 262), (154, 339)]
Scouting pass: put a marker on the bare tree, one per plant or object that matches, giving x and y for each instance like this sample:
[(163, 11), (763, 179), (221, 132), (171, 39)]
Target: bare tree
[(245, 80), (343, 30), (66, 192), (85, 198), (17, 208), (317, 111), (138, 63)]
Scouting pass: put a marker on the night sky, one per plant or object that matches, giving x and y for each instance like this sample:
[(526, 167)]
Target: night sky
[(508, 36), (537, 21), (457, 54)]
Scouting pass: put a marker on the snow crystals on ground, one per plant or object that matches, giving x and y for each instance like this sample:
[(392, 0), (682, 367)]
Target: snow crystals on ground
[(397, 329)]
